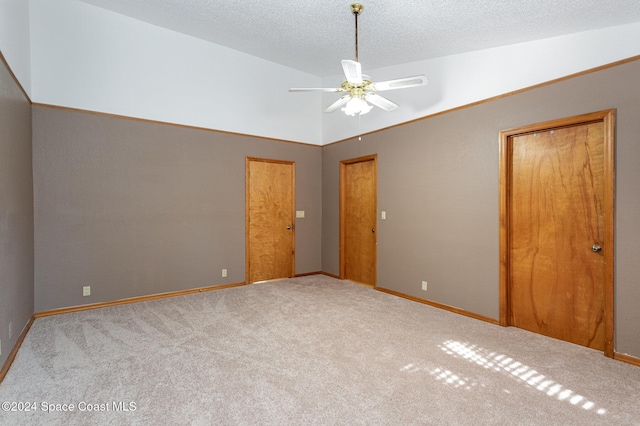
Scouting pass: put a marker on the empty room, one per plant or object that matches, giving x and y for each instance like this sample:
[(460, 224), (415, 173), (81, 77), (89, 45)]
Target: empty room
[(328, 212)]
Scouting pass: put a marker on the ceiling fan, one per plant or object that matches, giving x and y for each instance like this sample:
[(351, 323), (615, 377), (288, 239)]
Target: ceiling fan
[(361, 91)]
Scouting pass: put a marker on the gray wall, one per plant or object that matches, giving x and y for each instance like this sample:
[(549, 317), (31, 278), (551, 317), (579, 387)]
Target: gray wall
[(438, 183), (134, 208), (16, 212)]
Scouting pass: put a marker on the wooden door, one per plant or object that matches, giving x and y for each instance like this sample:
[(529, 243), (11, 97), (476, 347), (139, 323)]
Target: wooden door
[(358, 213), (270, 204), (558, 246)]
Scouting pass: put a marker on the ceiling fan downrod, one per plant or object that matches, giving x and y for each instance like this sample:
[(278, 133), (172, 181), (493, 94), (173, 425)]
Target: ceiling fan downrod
[(356, 9)]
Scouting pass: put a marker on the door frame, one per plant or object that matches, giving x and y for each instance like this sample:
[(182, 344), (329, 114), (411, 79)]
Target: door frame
[(247, 211), (607, 117), (343, 211)]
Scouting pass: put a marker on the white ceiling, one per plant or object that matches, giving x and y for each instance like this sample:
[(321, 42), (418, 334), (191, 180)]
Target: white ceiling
[(313, 36)]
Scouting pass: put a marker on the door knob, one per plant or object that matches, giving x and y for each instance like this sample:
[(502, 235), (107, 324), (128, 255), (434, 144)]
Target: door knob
[(288, 226), (373, 229), (596, 248)]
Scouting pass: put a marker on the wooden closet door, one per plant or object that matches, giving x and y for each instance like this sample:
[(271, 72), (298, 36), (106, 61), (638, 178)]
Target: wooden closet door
[(270, 223), (556, 233), (358, 220)]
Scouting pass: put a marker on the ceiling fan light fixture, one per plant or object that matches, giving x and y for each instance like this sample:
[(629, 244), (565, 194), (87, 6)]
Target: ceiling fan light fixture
[(361, 94), (356, 106)]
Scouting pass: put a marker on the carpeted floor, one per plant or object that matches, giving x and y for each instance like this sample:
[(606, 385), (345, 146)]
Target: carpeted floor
[(306, 351)]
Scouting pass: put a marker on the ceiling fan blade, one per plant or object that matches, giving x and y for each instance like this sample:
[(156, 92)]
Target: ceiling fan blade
[(380, 102), (400, 83), (316, 89), (337, 104), (352, 71)]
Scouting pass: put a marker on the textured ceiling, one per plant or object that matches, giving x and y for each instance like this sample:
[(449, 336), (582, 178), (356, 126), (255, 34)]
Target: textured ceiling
[(313, 36)]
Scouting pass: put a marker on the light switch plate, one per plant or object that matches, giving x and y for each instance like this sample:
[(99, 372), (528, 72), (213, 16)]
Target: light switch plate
[(299, 213)]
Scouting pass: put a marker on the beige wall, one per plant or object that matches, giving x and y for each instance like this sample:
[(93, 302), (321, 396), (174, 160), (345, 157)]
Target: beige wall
[(134, 208), (438, 183), (16, 212)]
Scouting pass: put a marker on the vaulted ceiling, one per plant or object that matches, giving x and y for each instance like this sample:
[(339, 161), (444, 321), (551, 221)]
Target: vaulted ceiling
[(312, 36)]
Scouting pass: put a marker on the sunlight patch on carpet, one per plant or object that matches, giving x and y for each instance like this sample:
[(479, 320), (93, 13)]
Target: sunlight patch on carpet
[(504, 364)]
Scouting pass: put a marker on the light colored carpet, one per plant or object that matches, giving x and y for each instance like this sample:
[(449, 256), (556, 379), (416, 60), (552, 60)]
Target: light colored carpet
[(309, 350)]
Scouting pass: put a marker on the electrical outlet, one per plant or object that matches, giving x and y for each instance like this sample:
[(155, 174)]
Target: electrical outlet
[(10, 330), (224, 273), (424, 285), (86, 290)]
